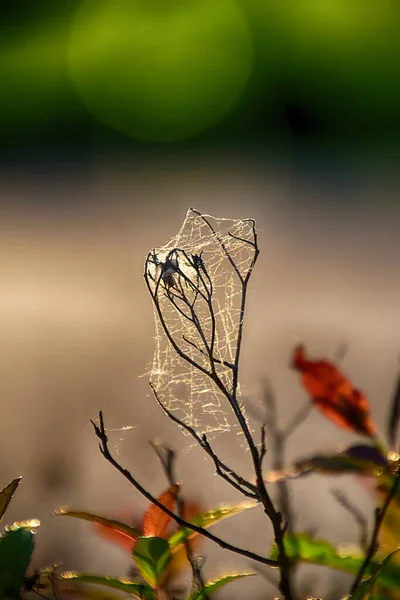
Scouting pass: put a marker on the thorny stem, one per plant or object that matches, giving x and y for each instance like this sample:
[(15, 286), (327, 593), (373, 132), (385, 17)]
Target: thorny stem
[(261, 492), (100, 432), (373, 545)]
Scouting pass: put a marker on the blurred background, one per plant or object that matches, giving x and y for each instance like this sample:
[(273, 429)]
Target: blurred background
[(115, 117)]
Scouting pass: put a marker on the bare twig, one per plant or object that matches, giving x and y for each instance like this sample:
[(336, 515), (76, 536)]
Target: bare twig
[(278, 436), (269, 509), (298, 418), (263, 447), (168, 463), (166, 456), (200, 288), (357, 515), (244, 487), (103, 446), (374, 545)]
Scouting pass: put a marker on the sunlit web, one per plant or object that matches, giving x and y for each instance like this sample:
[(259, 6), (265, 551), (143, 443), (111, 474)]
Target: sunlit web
[(196, 283)]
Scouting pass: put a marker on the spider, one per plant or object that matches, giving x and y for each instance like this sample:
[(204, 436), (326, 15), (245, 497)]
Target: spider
[(169, 268)]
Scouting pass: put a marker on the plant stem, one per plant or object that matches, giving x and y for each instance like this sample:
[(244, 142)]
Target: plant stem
[(374, 545), (101, 434)]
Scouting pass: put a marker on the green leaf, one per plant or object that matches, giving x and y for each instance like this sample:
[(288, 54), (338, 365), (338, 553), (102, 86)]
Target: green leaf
[(364, 590), (301, 547), (130, 532), (7, 494), (213, 586), (206, 520), (137, 590), (16, 547), (152, 556)]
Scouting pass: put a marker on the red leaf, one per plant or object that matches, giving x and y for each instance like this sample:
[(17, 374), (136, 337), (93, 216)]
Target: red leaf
[(117, 537), (120, 538), (155, 521), (334, 394)]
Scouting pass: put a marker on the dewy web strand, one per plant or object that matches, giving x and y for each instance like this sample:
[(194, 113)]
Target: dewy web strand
[(196, 283)]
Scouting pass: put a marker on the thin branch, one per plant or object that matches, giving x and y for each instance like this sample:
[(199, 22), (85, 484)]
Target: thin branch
[(240, 239), (168, 464), (167, 461), (214, 359), (374, 545), (103, 446), (269, 509), (220, 241), (222, 469), (297, 419), (279, 438), (228, 474), (263, 448), (231, 394), (167, 332), (356, 513)]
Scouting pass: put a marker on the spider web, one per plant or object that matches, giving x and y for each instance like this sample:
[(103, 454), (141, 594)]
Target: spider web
[(196, 282)]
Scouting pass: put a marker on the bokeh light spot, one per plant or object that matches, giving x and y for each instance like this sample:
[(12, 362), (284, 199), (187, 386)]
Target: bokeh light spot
[(160, 70)]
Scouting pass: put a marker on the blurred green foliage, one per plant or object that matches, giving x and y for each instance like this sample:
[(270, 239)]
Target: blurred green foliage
[(157, 71), (165, 70)]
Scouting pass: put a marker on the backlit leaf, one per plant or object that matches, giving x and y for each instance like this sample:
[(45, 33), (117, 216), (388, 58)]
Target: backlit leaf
[(333, 394), (389, 533), (360, 459), (7, 494), (137, 590), (152, 556), (301, 547), (155, 521), (179, 561), (364, 591), (206, 520), (16, 547), (89, 594), (121, 533), (213, 586)]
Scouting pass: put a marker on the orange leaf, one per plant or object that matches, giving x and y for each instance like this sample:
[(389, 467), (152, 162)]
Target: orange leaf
[(120, 538), (333, 394), (155, 521), (117, 537)]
